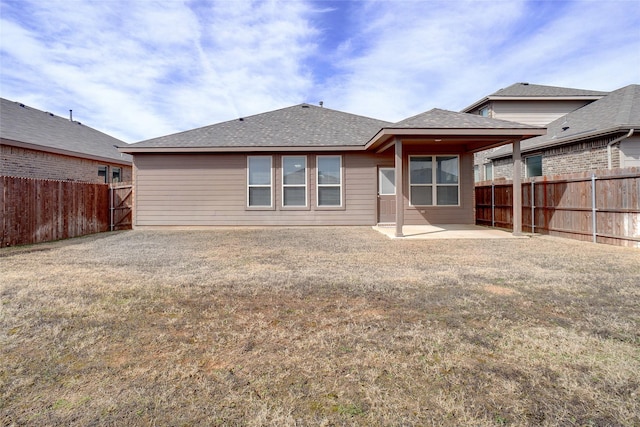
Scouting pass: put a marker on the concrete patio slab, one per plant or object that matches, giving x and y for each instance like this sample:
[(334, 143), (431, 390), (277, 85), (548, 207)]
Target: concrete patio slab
[(447, 231)]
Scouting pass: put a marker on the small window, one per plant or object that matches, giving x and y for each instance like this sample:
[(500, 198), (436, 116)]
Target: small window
[(434, 180), (294, 181), (488, 171), (387, 182), (259, 181), (484, 112), (329, 181), (533, 165), (476, 173), (116, 174), (102, 173)]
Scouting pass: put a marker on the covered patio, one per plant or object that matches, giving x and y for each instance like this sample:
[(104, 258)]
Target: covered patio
[(441, 131)]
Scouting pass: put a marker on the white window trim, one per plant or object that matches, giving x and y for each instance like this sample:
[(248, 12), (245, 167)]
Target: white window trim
[(306, 198), (434, 185), (318, 185), (270, 186)]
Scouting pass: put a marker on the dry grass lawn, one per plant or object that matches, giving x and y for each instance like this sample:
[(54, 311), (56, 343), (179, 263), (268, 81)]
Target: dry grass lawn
[(318, 327)]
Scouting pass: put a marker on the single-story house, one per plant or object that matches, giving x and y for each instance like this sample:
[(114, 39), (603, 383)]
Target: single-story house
[(38, 144), (308, 165), (603, 134)]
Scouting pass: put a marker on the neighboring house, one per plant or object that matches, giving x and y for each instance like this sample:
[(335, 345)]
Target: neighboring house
[(307, 165), (527, 103), (603, 134), (38, 144)]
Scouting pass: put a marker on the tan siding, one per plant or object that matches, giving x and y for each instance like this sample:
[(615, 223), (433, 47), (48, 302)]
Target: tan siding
[(536, 113), (462, 214), (206, 189)]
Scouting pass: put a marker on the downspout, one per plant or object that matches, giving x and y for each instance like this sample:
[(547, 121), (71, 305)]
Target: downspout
[(609, 145)]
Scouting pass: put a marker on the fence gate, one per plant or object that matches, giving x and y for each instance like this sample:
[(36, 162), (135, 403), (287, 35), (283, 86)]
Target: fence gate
[(120, 204)]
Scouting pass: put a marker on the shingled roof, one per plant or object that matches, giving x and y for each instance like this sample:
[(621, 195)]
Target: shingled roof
[(302, 125), (617, 112), (42, 130), (527, 91)]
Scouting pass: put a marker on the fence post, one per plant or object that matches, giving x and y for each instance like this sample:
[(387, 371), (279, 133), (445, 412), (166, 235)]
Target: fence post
[(533, 207), (593, 207), (493, 204), (111, 206)]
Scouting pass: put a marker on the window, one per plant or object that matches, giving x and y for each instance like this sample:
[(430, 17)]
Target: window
[(533, 165), (488, 171), (434, 180), (484, 112), (102, 172), (329, 181), (294, 181), (476, 173), (259, 181), (116, 174), (387, 182)]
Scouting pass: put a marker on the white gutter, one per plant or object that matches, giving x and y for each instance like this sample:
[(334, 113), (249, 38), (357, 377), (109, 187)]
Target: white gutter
[(609, 145)]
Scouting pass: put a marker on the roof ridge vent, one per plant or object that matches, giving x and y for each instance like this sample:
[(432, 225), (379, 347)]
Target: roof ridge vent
[(305, 105)]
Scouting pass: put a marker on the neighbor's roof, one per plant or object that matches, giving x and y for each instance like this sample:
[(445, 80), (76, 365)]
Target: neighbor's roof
[(299, 127), (617, 112), (34, 129), (527, 91)]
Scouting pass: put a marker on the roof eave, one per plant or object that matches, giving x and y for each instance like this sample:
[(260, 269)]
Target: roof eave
[(479, 103), (243, 149), (511, 133), (570, 139), (63, 152)]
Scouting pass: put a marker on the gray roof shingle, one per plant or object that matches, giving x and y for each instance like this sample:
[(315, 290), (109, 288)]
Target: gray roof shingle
[(527, 90), (297, 126), (21, 123), (618, 110), (444, 119)]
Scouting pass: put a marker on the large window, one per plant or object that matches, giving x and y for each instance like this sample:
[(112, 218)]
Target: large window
[(329, 181), (294, 181), (434, 180), (259, 181), (534, 165)]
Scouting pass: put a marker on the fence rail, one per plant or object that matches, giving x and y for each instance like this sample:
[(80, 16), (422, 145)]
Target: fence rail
[(603, 206), (36, 210)]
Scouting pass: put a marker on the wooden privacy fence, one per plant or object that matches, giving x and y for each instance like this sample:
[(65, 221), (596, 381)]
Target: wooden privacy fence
[(36, 210), (603, 206)]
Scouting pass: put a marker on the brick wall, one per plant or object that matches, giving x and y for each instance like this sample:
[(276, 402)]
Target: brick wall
[(22, 162), (580, 157)]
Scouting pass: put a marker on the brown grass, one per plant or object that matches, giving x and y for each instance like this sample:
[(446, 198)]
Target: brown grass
[(318, 326)]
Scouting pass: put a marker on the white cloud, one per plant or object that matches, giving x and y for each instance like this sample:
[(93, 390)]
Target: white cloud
[(140, 69)]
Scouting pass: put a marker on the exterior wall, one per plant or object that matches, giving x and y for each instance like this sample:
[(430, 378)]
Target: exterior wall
[(26, 163), (462, 214), (572, 158), (211, 190), (536, 113)]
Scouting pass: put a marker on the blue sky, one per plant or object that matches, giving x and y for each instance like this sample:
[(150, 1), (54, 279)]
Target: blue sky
[(138, 69)]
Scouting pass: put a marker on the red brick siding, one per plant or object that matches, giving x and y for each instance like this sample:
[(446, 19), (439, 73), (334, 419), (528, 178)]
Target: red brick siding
[(22, 162)]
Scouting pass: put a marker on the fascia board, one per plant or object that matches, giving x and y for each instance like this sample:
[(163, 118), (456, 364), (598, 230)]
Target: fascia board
[(245, 149)]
